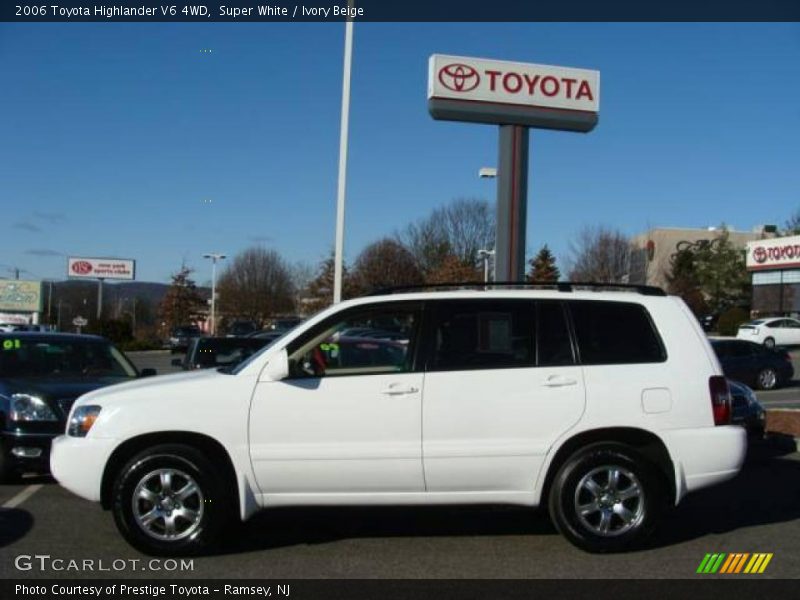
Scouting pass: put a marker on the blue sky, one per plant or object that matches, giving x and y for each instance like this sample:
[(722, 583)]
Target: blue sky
[(129, 141)]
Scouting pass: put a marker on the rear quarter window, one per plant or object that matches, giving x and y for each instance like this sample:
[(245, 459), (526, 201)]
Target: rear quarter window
[(612, 333)]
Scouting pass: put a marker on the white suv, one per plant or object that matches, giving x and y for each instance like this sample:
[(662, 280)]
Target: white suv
[(608, 406)]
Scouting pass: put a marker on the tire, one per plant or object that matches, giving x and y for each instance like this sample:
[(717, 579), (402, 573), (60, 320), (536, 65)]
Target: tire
[(143, 512), (644, 503), (769, 343), (767, 379)]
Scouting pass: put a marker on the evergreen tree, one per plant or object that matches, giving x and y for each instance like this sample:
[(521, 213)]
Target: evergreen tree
[(182, 303), (543, 266)]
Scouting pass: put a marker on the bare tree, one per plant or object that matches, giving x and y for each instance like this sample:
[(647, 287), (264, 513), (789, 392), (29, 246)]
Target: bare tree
[(257, 285), (458, 229), (385, 263), (600, 254)]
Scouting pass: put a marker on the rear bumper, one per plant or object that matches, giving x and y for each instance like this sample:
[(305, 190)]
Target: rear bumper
[(706, 456), (78, 464)]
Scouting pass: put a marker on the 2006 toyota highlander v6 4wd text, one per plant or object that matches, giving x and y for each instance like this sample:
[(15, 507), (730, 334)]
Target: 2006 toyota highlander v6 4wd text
[(608, 405)]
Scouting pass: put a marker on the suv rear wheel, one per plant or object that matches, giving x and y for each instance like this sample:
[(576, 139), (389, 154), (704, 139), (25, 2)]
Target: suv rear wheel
[(606, 498), (170, 501)]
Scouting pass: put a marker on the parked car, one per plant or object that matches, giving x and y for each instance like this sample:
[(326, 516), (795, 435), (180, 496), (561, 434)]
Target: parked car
[(242, 328), (267, 334), (753, 363), (747, 410), (606, 406), (285, 323), (41, 375), (214, 352), (778, 331), (180, 337)]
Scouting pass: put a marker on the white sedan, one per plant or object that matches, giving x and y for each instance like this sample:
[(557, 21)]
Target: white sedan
[(777, 331)]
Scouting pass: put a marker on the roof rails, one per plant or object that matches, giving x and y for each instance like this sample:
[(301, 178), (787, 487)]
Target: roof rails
[(561, 286)]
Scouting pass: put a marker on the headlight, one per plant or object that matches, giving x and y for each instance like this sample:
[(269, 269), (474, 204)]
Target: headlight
[(82, 420), (25, 407)]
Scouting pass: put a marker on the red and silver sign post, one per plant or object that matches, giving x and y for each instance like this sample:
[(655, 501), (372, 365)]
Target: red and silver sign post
[(515, 96)]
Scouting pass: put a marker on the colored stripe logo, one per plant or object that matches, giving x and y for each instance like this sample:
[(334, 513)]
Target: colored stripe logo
[(735, 562)]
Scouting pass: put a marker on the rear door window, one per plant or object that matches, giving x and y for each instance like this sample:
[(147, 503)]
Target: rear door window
[(484, 334), (610, 333), (553, 345)]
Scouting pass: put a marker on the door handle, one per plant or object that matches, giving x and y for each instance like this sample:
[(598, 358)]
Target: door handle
[(399, 390), (559, 381)]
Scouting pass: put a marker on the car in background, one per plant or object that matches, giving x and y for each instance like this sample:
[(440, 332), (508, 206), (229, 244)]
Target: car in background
[(285, 323), (746, 410), (180, 337), (41, 375), (778, 331), (754, 364), (242, 328), (267, 334), (214, 352)]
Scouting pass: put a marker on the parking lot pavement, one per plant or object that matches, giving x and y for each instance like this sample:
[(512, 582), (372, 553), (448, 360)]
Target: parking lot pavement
[(160, 360), (756, 512)]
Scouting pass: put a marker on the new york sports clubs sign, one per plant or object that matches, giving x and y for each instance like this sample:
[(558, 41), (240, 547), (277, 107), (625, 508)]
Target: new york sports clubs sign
[(101, 268), (493, 91)]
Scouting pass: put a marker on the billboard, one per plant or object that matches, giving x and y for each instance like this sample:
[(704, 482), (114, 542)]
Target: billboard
[(101, 268), (776, 253), (509, 93), (20, 296)]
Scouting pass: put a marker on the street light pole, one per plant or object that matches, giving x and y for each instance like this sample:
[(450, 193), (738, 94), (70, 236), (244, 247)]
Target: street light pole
[(338, 257), (214, 258), (485, 254)]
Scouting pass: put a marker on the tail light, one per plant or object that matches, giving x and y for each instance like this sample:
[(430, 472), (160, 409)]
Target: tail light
[(720, 399)]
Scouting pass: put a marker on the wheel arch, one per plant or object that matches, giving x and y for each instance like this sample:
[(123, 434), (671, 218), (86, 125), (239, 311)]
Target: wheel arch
[(212, 448), (646, 443)]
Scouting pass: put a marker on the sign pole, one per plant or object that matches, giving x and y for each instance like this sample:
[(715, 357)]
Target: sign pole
[(512, 199), (99, 298)]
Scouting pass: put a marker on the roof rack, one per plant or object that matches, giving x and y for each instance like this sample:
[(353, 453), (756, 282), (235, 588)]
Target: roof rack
[(561, 286)]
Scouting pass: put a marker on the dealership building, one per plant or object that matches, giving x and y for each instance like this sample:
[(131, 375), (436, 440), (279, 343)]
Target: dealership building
[(775, 267), (652, 251)]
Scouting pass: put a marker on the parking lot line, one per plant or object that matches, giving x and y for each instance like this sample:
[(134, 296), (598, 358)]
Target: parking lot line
[(22, 496)]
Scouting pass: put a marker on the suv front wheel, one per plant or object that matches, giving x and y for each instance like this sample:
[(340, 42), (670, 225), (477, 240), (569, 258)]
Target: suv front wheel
[(170, 500), (606, 498)]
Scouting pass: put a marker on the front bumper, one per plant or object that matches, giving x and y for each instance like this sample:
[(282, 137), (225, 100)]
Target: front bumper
[(27, 452), (77, 463)]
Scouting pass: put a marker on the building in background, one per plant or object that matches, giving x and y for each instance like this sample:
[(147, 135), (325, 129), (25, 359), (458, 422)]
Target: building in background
[(775, 266), (653, 250)]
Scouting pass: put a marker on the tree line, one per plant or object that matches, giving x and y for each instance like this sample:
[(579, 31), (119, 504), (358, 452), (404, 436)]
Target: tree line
[(258, 283)]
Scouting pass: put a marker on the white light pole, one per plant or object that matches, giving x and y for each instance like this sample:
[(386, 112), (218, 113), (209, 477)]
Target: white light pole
[(343, 131), (484, 255), (214, 258)]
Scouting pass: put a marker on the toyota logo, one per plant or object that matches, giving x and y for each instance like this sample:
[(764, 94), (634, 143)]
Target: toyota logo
[(82, 267), (459, 78), (760, 254)]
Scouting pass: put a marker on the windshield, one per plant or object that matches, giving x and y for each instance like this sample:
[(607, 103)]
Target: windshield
[(21, 357)]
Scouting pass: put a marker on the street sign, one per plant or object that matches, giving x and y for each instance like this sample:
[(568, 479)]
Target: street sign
[(80, 321)]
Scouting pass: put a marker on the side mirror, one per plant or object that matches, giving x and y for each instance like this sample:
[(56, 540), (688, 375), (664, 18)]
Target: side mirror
[(278, 366), (176, 362), (147, 373)]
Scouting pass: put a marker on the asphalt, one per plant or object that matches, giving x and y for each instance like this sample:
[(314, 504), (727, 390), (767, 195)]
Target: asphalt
[(758, 511)]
